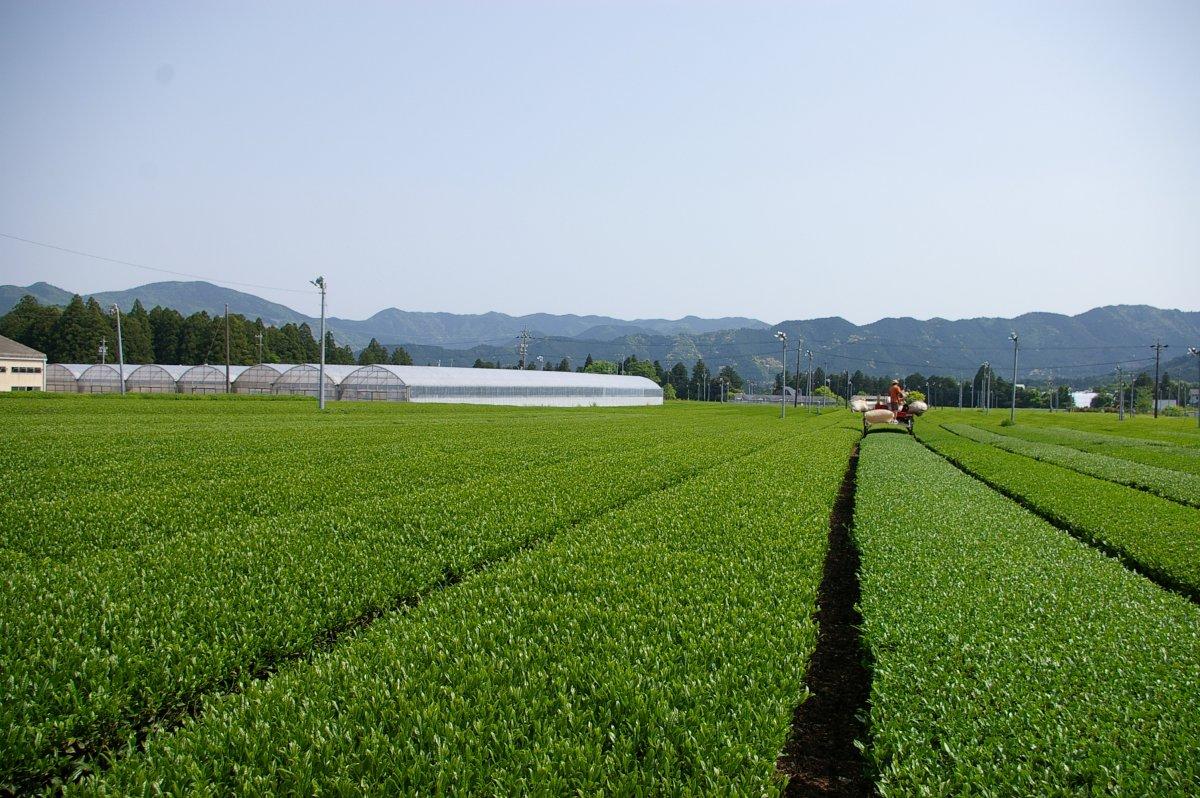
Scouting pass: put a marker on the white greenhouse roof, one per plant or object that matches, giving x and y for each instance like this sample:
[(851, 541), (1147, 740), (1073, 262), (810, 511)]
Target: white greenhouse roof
[(234, 371), (97, 371), (76, 369), (446, 377), (148, 369), (332, 372)]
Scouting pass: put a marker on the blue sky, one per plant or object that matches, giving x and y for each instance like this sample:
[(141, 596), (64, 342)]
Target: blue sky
[(766, 159)]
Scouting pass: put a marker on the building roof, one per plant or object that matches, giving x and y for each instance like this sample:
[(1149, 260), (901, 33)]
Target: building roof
[(12, 349)]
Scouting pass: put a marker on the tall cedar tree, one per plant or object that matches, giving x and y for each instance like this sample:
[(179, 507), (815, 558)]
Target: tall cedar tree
[(372, 353), (400, 357)]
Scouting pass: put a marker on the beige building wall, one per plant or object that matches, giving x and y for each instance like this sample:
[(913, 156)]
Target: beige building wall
[(22, 375)]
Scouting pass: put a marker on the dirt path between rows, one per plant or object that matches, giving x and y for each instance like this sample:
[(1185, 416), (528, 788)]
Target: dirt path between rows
[(820, 758)]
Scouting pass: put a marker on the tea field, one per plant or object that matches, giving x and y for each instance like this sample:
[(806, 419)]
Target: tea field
[(243, 596)]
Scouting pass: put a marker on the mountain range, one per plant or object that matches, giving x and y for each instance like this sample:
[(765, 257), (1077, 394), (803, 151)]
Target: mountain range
[(1064, 347)]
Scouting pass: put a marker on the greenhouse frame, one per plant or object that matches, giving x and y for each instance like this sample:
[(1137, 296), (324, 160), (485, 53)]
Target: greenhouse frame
[(64, 377), (208, 379), (380, 382), (100, 378), (153, 378), (302, 380), (259, 379), (517, 387)]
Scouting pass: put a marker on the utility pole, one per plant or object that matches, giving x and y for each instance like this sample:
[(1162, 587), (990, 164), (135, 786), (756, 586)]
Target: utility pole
[(1195, 352), (960, 386), (320, 283), (103, 350), (796, 395), (1158, 347), (782, 336), (849, 388), (808, 390), (227, 347), (258, 336), (523, 348), (985, 400), (1012, 415), (120, 350)]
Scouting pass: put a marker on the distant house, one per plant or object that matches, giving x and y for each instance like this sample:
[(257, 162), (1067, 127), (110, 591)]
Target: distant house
[(22, 368)]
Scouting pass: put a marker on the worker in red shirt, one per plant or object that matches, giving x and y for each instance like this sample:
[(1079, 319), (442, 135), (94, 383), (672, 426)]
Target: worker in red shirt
[(896, 394)]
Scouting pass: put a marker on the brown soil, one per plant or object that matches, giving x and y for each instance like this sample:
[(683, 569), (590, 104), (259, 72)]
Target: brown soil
[(820, 758)]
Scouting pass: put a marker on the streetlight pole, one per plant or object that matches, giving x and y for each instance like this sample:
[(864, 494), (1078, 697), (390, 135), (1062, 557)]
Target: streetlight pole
[(1012, 415), (120, 349), (320, 283), (782, 336)]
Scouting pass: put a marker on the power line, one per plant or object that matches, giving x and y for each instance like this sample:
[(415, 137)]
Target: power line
[(151, 268)]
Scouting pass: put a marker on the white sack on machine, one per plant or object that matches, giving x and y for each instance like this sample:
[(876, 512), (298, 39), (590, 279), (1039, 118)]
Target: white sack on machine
[(879, 416), (860, 405), (916, 408)]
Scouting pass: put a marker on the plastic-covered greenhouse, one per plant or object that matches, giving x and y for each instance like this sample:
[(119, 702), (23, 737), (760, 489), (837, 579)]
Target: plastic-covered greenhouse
[(302, 380), (64, 377), (153, 378), (377, 382), (100, 378), (259, 379), (208, 379), (502, 386)]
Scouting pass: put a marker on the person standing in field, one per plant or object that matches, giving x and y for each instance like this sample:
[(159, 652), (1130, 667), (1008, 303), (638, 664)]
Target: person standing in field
[(896, 395)]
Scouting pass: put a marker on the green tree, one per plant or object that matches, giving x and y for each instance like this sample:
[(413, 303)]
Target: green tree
[(600, 367), (677, 378), (731, 377), (372, 353), (166, 328), (135, 329), (400, 357), (78, 332), (700, 377), (642, 368), (669, 392), (31, 323)]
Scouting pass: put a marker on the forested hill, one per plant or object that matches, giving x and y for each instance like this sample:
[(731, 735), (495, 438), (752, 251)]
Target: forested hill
[(451, 330), (1065, 347)]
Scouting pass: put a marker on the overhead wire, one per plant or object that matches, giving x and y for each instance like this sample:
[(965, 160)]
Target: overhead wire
[(160, 270)]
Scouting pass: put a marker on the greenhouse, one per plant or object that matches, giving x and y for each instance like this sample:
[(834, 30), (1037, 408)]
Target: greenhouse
[(153, 378), (208, 379), (100, 378), (499, 386), (302, 380), (259, 379), (64, 377), (374, 383)]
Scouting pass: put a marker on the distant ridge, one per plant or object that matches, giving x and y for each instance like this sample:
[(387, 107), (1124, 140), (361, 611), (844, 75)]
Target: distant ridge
[(1084, 345)]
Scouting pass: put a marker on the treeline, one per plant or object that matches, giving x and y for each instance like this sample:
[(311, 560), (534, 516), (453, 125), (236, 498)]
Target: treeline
[(677, 382), (76, 333)]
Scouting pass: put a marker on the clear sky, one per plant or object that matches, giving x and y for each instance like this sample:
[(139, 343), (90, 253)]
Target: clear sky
[(767, 159)]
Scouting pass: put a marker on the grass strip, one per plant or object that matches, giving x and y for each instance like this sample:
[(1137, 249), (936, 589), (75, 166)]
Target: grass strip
[(1010, 659)]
